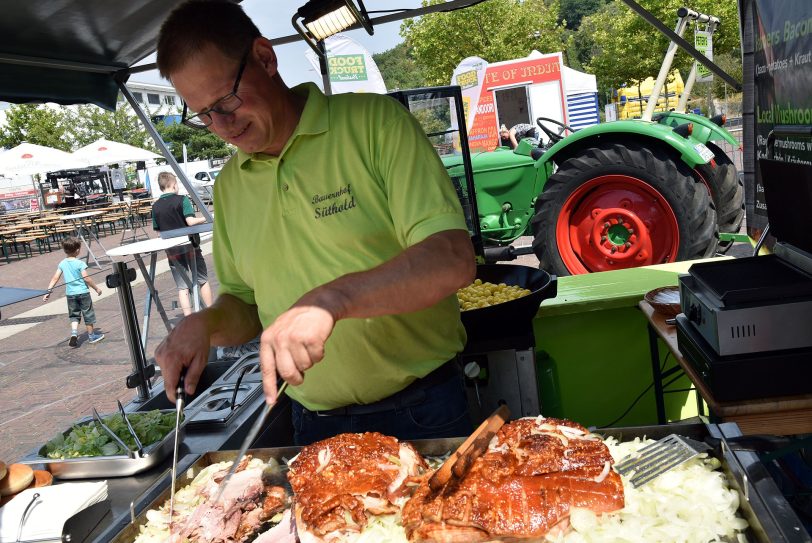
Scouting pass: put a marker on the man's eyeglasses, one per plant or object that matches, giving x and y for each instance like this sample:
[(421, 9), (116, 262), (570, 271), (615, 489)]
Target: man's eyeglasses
[(225, 105)]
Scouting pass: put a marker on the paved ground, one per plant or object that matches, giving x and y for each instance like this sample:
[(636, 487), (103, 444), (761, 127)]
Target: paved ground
[(45, 385)]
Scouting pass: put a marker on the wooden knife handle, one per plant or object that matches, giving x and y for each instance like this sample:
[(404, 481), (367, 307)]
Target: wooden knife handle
[(461, 460)]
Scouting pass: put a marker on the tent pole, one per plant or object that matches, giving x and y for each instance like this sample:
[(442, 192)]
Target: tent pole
[(325, 72), (165, 151)]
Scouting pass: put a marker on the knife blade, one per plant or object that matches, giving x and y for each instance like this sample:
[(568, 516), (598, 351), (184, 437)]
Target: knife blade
[(250, 438), (180, 399)]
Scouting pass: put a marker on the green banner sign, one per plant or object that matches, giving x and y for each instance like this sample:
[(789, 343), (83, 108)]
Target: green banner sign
[(703, 41), (347, 68)]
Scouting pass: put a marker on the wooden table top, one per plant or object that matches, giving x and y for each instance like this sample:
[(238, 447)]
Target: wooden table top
[(781, 415)]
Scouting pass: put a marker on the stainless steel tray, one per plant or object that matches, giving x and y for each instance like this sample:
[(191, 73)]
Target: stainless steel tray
[(768, 513), (430, 447), (94, 467)]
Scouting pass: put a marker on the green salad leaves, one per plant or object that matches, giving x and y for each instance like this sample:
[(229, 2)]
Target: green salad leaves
[(88, 438)]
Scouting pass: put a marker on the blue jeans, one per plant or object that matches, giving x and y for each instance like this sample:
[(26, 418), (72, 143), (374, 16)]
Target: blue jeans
[(443, 412)]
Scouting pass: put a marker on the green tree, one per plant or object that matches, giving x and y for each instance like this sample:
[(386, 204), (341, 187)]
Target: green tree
[(200, 144), (618, 46), (571, 12), (37, 124), (89, 123), (732, 64), (399, 69), (495, 30)]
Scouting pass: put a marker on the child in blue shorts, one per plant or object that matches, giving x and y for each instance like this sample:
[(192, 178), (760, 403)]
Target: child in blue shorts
[(77, 281)]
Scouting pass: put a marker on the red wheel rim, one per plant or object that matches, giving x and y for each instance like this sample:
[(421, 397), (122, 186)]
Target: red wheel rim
[(613, 222)]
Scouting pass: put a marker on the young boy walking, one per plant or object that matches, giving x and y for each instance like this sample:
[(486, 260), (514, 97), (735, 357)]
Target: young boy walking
[(172, 211), (77, 281)]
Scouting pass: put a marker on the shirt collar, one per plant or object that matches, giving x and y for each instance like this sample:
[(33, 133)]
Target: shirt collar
[(314, 120)]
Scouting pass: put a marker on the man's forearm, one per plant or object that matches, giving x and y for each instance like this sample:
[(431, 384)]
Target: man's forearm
[(418, 278), (231, 321)]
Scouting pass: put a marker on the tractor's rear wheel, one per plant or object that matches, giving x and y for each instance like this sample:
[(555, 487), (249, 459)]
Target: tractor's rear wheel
[(727, 191), (622, 206)]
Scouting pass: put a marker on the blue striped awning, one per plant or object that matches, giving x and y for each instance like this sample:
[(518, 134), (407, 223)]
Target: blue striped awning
[(582, 110)]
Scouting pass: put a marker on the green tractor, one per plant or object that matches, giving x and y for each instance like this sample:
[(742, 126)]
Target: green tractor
[(615, 195)]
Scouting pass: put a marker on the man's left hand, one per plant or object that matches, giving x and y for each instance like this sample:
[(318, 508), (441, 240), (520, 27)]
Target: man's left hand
[(292, 345)]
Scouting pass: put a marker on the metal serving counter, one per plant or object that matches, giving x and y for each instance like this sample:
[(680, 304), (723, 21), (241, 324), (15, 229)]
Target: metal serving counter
[(142, 489), (771, 518)]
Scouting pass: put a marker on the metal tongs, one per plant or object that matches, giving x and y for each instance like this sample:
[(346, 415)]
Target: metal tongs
[(131, 453), (138, 444), (249, 439), (180, 399)]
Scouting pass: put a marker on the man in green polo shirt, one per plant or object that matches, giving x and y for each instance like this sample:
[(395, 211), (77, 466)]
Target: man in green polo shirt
[(338, 236)]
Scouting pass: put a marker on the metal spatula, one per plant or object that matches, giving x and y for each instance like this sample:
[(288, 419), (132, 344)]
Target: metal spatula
[(655, 459)]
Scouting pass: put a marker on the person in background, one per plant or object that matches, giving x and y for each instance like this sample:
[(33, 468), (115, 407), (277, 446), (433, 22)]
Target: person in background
[(338, 236), (77, 290), (511, 138), (172, 211)]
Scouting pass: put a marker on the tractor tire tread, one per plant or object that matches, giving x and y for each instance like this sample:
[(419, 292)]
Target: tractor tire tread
[(699, 226), (728, 191)]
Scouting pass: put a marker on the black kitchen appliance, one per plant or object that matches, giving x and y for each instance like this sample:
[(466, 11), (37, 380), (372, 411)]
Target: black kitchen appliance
[(746, 323)]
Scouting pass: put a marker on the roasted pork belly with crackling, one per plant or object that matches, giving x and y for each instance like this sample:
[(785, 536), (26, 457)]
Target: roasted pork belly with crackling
[(245, 505), (340, 481), (534, 471)]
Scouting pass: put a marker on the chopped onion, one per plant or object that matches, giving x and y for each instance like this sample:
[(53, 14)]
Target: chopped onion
[(604, 473), (324, 458), (570, 430), (394, 459), (688, 503)]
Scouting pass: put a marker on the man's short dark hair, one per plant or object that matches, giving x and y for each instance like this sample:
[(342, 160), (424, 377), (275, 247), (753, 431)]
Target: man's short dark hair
[(71, 245), (196, 24)]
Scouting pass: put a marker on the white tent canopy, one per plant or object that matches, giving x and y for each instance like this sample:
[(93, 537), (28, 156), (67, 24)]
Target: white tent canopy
[(576, 82), (28, 158), (103, 151)]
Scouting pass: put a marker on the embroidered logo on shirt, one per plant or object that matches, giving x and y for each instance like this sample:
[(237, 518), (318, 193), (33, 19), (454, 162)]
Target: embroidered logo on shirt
[(333, 203)]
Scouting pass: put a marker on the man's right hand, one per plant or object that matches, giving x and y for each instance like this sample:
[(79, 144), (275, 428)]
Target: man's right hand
[(187, 345)]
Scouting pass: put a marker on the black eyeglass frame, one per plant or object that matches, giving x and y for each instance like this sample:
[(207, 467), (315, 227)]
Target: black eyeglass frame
[(203, 119)]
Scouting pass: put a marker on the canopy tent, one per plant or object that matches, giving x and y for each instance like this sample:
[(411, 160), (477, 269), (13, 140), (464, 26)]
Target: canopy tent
[(103, 151), (81, 51), (27, 159), (73, 52)]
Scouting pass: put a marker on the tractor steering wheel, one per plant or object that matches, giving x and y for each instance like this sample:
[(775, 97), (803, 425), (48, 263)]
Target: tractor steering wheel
[(554, 137)]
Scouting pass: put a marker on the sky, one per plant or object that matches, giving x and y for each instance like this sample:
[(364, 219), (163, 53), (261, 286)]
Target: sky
[(273, 19)]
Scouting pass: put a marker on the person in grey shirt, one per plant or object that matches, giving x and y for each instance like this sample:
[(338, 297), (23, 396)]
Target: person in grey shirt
[(511, 138)]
